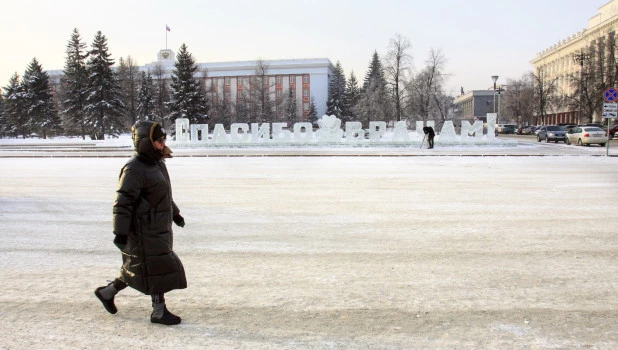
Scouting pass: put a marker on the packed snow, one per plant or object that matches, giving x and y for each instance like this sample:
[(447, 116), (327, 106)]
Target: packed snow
[(302, 252)]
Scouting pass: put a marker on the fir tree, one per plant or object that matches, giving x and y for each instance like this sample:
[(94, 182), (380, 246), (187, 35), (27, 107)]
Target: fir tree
[(146, 102), (74, 83), (336, 92), (187, 100), (15, 112), (352, 96), (312, 116), (42, 114), (291, 108), (3, 124), (103, 105), (373, 103)]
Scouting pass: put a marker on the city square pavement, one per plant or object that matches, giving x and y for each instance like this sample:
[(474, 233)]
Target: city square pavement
[(417, 248)]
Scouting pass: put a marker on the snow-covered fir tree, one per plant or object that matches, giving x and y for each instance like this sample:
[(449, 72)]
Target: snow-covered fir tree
[(374, 102), (104, 106), (73, 87), (146, 104), (15, 112), (3, 123), (291, 108), (312, 116), (352, 96), (336, 92), (188, 100), (40, 108)]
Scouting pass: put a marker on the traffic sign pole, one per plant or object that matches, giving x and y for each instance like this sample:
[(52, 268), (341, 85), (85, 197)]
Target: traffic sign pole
[(610, 110)]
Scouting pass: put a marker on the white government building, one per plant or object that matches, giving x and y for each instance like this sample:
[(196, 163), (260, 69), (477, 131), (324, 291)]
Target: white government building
[(563, 59), (306, 77)]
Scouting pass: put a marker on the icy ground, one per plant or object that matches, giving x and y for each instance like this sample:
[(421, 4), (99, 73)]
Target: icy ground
[(323, 252)]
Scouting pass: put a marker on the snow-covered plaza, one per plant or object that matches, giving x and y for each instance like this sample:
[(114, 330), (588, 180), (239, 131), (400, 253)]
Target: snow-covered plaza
[(287, 252)]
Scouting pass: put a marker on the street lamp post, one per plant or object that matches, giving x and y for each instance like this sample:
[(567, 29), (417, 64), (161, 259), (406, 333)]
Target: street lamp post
[(495, 79), (580, 58)]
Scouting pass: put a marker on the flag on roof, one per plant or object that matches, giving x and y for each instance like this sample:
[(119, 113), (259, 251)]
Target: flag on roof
[(167, 28)]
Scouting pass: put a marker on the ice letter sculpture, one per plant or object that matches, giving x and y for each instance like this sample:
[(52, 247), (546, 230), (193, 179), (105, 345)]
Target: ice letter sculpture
[(330, 129), (237, 136), (376, 131), (354, 132), (182, 130), (303, 132)]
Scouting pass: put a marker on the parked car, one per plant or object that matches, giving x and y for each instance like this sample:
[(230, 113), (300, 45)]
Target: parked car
[(506, 128), (569, 127), (600, 126), (536, 130), (586, 135), (551, 133), (612, 131), (528, 130)]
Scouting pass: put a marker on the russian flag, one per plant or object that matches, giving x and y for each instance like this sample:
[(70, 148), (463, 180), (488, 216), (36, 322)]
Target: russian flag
[(167, 28)]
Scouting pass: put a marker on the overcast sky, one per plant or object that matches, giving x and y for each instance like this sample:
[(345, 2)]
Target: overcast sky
[(479, 38)]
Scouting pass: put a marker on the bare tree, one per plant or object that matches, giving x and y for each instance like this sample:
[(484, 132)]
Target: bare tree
[(262, 104), (162, 94), (128, 74), (544, 93), (426, 90), (598, 71), (518, 101), (397, 65)]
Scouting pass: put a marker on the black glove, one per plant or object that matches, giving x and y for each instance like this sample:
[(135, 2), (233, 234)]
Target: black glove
[(179, 220), (120, 241)]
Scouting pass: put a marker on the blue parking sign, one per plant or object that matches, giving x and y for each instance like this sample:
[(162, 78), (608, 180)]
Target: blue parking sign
[(610, 95)]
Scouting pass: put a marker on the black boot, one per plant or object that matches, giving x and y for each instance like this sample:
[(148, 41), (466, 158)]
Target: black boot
[(108, 303), (161, 315)]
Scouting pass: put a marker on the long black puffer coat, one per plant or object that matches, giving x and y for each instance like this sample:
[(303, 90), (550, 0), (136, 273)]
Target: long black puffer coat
[(143, 212)]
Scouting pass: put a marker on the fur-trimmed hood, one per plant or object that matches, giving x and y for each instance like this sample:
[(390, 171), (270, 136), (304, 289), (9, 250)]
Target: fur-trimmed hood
[(143, 142)]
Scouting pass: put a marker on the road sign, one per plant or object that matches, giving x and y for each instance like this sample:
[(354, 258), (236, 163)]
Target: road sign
[(609, 115), (610, 95), (608, 107)]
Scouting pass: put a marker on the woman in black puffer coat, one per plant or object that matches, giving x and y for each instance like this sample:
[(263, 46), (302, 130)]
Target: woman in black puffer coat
[(143, 215)]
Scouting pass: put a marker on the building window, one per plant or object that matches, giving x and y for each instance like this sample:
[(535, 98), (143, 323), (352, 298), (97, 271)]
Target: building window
[(292, 79), (305, 92), (279, 93), (306, 106), (279, 80), (228, 80), (305, 79)]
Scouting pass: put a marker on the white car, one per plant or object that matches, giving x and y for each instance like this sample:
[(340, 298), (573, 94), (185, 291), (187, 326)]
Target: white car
[(586, 135)]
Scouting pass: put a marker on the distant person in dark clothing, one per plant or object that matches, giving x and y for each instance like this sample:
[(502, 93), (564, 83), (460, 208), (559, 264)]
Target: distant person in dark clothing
[(428, 130)]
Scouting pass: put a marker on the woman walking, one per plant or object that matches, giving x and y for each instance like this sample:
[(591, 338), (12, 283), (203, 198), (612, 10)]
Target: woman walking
[(143, 215)]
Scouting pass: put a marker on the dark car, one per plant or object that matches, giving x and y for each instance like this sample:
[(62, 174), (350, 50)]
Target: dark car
[(551, 133), (612, 131), (569, 127)]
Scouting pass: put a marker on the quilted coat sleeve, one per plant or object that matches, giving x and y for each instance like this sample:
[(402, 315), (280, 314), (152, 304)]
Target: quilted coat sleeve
[(128, 194)]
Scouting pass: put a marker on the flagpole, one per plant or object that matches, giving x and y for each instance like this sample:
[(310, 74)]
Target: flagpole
[(166, 36)]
